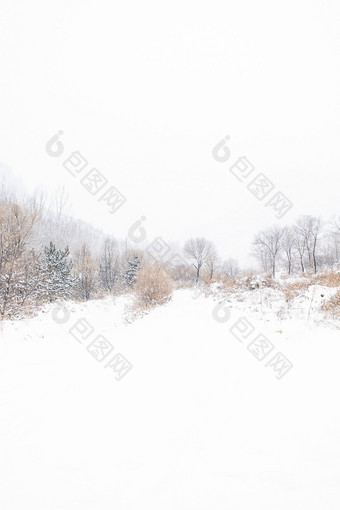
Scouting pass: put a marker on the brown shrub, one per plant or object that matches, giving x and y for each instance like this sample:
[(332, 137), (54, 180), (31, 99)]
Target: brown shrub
[(294, 289), (331, 279), (332, 305), (229, 283), (153, 286)]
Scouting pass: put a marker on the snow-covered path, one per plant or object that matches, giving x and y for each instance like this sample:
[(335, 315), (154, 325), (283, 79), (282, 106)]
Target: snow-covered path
[(197, 423)]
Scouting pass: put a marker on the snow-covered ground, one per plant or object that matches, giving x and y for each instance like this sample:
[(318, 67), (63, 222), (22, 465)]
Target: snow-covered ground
[(197, 423)]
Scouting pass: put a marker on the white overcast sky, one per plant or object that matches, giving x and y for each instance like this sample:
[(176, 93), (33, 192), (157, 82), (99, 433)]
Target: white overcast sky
[(145, 90)]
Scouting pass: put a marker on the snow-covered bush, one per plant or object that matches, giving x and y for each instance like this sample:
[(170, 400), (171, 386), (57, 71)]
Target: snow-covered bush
[(86, 271)]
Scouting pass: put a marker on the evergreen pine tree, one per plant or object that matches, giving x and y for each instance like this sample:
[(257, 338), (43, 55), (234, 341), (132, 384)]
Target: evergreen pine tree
[(57, 279), (129, 276)]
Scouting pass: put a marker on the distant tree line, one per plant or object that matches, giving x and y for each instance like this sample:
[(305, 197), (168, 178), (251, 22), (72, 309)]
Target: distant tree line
[(46, 255), (309, 245)]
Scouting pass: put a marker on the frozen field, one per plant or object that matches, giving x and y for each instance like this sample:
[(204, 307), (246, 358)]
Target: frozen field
[(198, 423)]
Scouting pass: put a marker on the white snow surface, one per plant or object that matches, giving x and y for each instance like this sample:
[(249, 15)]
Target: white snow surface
[(198, 423)]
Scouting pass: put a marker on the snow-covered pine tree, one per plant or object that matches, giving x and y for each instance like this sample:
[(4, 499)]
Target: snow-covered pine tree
[(57, 281), (129, 276)]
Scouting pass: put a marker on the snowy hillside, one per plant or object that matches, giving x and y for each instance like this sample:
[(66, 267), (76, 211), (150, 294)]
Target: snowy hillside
[(198, 422)]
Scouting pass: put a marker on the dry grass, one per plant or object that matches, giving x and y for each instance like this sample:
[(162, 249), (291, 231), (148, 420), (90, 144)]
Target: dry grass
[(331, 279), (332, 306), (294, 289)]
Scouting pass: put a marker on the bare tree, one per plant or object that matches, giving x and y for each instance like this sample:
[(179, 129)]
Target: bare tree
[(288, 243), (231, 268), (269, 242), (260, 253), (212, 262), (109, 263), (60, 212), (300, 246), (309, 229), (316, 231), (329, 249), (303, 227), (198, 250), (16, 224)]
